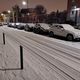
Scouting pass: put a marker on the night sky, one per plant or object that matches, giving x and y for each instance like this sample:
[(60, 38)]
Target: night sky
[(50, 5)]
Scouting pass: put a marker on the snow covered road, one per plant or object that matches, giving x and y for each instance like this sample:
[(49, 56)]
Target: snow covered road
[(44, 58)]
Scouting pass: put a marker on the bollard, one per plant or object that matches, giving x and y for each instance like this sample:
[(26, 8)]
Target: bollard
[(4, 38), (21, 57)]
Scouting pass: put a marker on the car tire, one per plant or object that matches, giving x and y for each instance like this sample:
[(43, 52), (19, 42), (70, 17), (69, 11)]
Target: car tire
[(51, 34), (69, 37), (26, 29), (36, 30)]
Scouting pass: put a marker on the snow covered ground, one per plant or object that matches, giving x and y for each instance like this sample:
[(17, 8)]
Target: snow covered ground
[(44, 58)]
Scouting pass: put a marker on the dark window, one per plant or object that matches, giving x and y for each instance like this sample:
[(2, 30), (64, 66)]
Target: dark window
[(60, 26), (72, 12), (56, 25)]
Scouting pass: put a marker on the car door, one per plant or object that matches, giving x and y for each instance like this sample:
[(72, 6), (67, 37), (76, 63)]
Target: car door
[(54, 29), (60, 30)]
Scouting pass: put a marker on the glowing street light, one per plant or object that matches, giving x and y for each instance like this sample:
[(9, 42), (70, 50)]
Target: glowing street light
[(2, 14), (24, 3), (9, 11)]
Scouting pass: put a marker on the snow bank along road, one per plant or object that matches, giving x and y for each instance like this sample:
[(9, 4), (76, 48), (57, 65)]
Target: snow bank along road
[(44, 58)]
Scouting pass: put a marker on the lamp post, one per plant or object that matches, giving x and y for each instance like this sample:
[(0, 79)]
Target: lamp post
[(25, 3), (8, 16)]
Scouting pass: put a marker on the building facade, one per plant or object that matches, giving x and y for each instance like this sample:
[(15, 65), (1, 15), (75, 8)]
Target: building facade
[(73, 9)]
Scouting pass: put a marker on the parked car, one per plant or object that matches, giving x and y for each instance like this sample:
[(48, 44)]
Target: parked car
[(4, 23), (64, 30), (1, 24), (29, 26), (41, 28), (36, 29), (20, 25), (11, 24), (17, 25)]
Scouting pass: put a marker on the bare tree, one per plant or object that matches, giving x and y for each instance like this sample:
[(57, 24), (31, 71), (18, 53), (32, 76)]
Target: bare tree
[(40, 9), (41, 13)]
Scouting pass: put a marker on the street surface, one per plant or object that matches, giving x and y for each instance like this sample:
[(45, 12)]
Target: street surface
[(44, 58)]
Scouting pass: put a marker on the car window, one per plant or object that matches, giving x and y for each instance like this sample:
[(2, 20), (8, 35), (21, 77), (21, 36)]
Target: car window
[(60, 26), (37, 25), (55, 26)]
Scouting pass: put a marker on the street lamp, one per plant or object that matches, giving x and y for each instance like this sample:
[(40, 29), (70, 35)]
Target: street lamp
[(24, 3), (9, 11), (2, 14), (8, 18)]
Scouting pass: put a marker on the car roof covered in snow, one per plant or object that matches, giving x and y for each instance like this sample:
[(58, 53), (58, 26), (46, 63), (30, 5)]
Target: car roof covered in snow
[(31, 24), (65, 26), (44, 25)]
